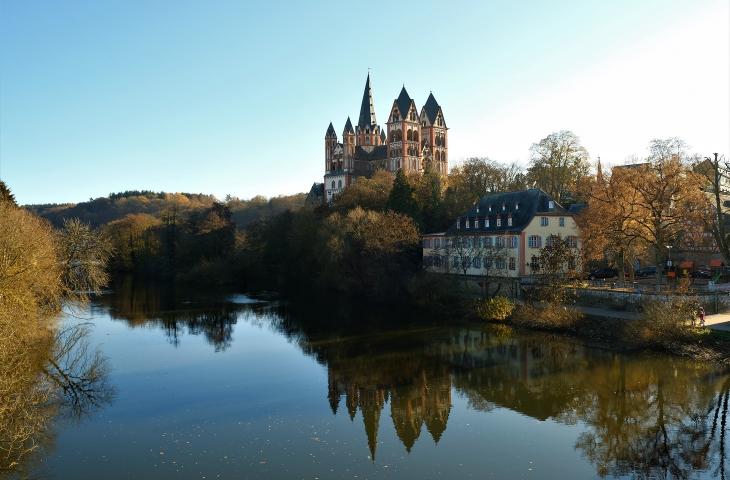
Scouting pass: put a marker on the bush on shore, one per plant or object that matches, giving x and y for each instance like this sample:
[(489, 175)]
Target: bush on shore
[(665, 324), (497, 308)]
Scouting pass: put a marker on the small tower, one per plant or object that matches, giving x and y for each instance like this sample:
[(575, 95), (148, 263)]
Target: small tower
[(348, 144), (368, 131), (435, 134), (404, 134), (330, 143)]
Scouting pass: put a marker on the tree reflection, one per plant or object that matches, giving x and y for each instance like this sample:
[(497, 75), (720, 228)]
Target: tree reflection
[(68, 378), (646, 416), (140, 304)]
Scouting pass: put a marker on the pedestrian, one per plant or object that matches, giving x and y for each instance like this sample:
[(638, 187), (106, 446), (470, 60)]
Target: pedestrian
[(701, 313)]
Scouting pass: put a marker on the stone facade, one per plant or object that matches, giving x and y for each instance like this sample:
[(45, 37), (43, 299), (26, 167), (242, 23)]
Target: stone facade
[(411, 141)]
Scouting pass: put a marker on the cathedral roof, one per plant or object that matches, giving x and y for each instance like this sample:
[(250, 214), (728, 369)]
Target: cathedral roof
[(403, 101), (431, 107), (367, 108), (330, 131), (379, 152), (348, 126)]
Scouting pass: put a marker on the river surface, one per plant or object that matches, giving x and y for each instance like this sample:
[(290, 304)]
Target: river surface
[(230, 386)]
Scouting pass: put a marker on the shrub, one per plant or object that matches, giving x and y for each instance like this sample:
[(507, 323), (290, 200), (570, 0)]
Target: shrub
[(496, 308), (549, 316), (665, 323)]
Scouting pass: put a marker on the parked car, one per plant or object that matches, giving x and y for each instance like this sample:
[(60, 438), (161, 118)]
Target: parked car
[(648, 271), (701, 273), (603, 273)]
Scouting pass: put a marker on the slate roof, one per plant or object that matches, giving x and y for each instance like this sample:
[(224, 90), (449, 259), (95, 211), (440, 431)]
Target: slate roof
[(371, 153), (367, 107), (403, 101), (431, 107), (523, 206), (348, 126), (330, 131)]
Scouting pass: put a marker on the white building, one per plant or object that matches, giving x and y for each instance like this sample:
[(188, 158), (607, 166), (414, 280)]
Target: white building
[(501, 236)]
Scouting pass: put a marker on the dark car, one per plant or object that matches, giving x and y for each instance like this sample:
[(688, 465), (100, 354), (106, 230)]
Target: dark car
[(603, 273), (644, 272), (701, 273)]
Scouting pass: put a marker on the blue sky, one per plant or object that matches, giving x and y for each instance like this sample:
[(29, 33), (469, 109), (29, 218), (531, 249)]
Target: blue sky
[(235, 97)]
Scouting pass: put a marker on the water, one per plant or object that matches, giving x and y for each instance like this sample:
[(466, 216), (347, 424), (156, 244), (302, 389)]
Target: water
[(229, 387)]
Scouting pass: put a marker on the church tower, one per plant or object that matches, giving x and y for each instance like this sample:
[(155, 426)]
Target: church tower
[(348, 144), (404, 134), (435, 135), (368, 131), (330, 143)]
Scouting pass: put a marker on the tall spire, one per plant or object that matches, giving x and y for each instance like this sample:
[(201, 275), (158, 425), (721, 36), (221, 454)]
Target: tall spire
[(367, 108), (599, 171)]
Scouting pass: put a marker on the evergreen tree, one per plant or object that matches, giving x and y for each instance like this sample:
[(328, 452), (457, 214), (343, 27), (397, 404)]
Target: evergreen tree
[(6, 195), (402, 199)]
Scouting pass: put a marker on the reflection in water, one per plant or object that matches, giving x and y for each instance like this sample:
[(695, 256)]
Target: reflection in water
[(645, 416), (68, 380), (139, 305)]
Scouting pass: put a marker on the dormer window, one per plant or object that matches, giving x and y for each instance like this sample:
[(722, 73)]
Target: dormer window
[(467, 223), (499, 222), (509, 221), (517, 206), (551, 204), (458, 223), (504, 207), (490, 208), (486, 222), (477, 208)]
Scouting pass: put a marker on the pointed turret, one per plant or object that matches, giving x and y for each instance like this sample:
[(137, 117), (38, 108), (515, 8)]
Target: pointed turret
[(382, 137), (403, 101), (431, 108), (367, 107), (599, 171), (348, 127), (330, 132)]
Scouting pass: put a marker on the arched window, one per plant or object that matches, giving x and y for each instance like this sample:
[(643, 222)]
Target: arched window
[(339, 184), (409, 135), (333, 184), (367, 140), (415, 135)]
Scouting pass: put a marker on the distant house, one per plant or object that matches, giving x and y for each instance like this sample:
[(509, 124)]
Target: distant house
[(501, 235)]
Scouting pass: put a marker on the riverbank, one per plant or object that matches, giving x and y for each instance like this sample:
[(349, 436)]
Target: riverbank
[(656, 329)]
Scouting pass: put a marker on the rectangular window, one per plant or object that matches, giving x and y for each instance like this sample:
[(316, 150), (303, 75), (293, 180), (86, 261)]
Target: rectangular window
[(467, 223), (499, 242), (512, 263), (426, 243), (487, 263), (487, 241), (477, 263), (456, 262), (499, 222), (562, 221), (437, 243), (534, 241), (500, 264), (486, 223), (513, 242), (509, 221), (544, 221)]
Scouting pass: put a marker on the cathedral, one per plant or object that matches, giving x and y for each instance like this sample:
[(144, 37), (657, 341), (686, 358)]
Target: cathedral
[(410, 141)]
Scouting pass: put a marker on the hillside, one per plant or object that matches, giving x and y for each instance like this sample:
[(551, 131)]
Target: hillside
[(102, 210)]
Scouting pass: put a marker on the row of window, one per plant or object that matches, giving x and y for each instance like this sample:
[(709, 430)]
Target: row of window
[(510, 241), (471, 242), (486, 221), (458, 262)]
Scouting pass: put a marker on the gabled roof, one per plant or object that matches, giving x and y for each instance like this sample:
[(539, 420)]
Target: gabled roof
[(403, 102), (330, 131), (348, 126), (367, 107), (431, 107), (523, 206)]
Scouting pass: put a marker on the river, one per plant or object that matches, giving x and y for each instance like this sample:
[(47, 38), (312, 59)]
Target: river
[(232, 386)]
